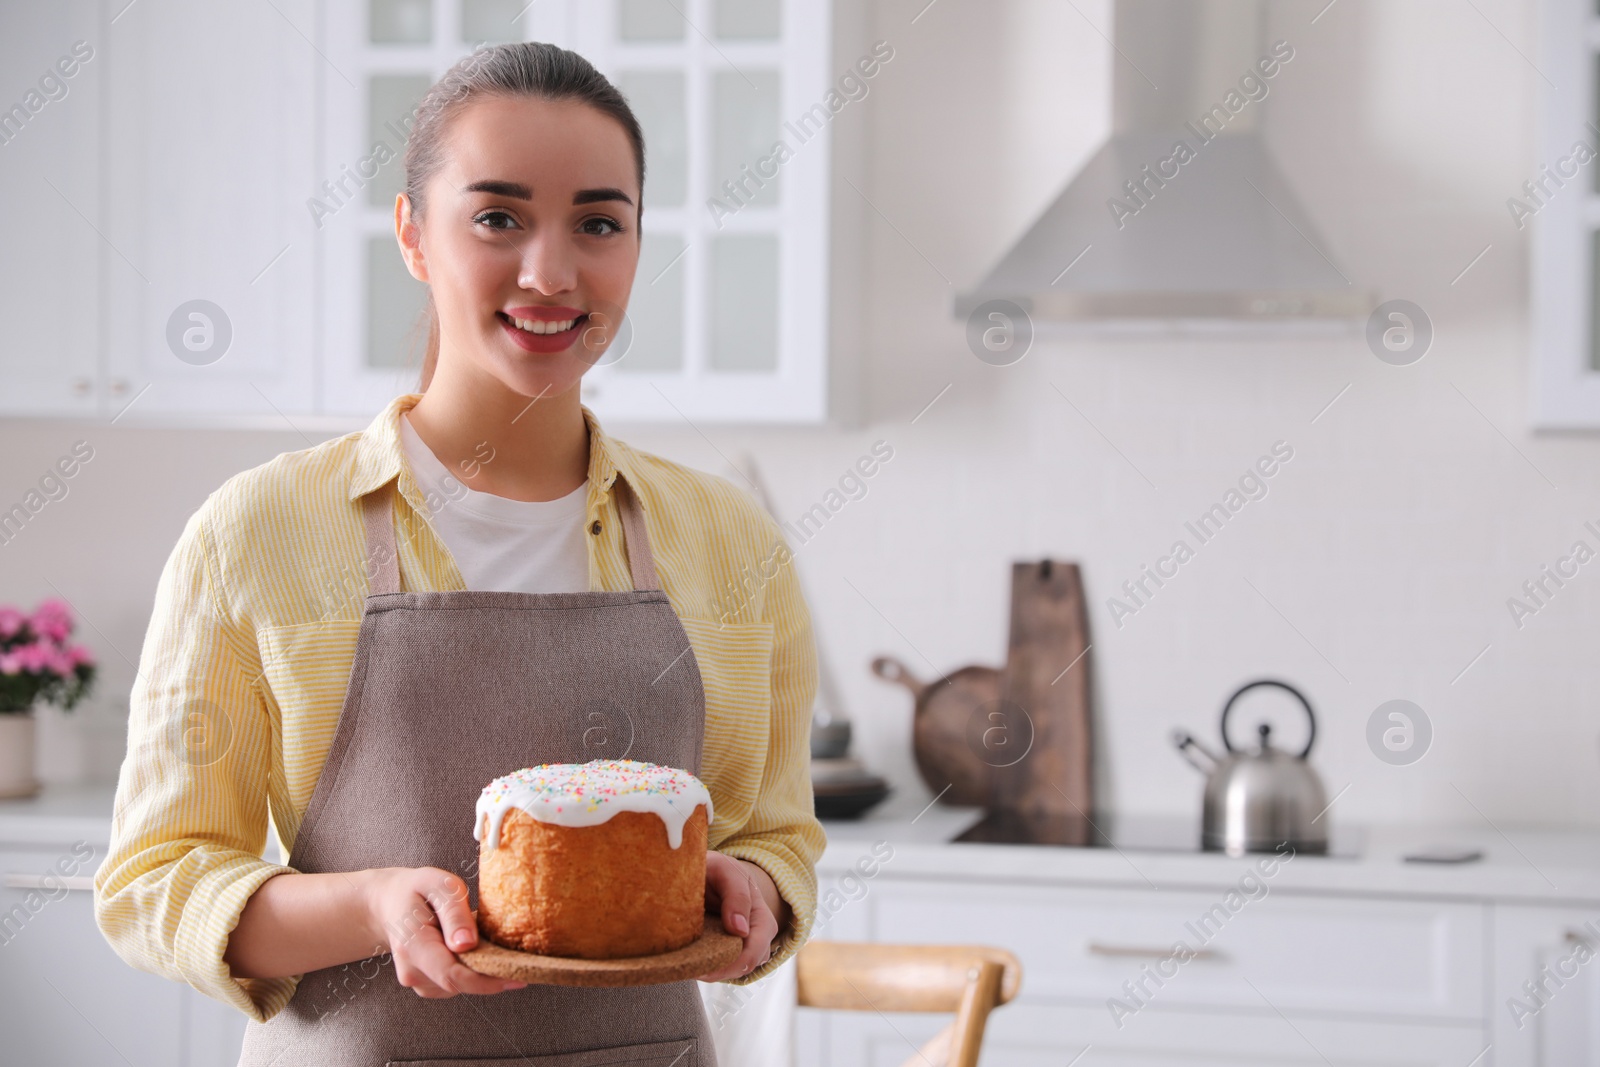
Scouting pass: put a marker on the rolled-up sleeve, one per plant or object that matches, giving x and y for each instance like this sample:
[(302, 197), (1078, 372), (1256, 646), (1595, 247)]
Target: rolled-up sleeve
[(783, 836), (190, 820)]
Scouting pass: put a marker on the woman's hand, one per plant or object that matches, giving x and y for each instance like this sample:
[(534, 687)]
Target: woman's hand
[(748, 901), (421, 913)]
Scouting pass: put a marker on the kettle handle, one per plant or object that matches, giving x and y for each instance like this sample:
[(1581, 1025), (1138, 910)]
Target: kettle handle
[(1304, 703)]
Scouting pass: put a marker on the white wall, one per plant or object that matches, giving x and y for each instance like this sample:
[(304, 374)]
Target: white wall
[(1412, 509)]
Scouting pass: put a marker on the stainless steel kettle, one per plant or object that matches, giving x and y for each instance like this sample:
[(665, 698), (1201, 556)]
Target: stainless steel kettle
[(1257, 801)]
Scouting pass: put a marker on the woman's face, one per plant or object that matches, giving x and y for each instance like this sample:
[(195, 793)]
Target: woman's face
[(530, 226)]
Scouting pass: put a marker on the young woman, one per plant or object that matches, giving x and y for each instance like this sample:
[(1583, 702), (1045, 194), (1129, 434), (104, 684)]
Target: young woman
[(353, 639)]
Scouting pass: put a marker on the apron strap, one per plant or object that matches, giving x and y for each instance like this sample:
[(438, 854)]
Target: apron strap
[(383, 563), (636, 541)]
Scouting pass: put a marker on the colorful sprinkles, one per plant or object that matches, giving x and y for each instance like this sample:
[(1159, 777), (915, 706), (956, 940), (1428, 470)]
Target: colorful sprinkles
[(586, 794)]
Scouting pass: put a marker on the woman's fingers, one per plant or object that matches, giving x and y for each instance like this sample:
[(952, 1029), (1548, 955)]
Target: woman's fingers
[(449, 900), (757, 950), (758, 946), (450, 976), (414, 978), (744, 912), (730, 886), (419, 908)]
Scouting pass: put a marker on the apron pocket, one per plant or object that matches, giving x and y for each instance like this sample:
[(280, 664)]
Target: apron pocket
[(681, 1053)]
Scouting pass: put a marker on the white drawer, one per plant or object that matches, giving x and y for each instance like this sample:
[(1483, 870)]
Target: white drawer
[(1055, 1035), (1382, 958)]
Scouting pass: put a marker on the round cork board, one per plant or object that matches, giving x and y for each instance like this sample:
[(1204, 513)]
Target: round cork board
[(713, 949)]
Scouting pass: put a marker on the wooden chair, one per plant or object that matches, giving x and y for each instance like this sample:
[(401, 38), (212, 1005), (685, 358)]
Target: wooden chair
[(970, 980)]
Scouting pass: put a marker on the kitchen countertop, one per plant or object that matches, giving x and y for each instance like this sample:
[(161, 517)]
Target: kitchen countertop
[(60, 814), (1546, 865)]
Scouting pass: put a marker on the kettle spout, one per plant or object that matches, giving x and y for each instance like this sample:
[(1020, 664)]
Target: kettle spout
[(1193, 751)]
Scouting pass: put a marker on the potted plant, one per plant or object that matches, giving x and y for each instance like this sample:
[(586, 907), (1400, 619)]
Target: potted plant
[(37, 666)]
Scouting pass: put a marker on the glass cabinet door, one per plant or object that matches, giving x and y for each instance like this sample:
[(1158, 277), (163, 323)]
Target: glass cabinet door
[(727, 316)]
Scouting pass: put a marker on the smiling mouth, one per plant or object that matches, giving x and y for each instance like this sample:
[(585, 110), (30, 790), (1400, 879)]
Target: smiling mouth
[(540, 328)]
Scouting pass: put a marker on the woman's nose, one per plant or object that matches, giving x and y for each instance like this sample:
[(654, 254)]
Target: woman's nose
[(548, 265)]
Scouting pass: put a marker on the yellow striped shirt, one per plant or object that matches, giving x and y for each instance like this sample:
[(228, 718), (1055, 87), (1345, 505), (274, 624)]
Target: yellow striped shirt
[(244, 668)]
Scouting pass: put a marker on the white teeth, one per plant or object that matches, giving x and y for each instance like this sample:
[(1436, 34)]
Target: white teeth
[(535, 326)]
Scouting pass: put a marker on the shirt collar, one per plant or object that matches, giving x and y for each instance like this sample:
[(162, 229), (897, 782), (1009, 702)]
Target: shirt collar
[(380, 455)]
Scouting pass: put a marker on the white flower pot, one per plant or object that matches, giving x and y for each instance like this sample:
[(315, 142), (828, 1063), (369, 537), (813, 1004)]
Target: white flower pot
[(16, 755)]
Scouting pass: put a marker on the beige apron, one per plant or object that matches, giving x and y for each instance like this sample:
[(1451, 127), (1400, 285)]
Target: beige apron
[(448, 690)]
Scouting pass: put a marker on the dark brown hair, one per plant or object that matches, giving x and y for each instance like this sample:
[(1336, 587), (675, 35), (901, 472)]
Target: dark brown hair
[(528, 68)]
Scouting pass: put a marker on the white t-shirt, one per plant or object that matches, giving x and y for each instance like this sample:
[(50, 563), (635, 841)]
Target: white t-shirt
[(526, 546)]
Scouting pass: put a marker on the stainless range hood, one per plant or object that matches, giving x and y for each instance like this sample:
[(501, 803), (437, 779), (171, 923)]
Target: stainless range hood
[(1181, 216)]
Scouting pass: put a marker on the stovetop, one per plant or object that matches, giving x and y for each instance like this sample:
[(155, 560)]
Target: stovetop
[(1120, 832)]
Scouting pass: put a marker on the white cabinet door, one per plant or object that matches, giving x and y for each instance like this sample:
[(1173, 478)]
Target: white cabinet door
[(1035, 1035), (65, 997), (1277, 952), (213, 1031), (210, 158), (1545, 1011), (54, 57)]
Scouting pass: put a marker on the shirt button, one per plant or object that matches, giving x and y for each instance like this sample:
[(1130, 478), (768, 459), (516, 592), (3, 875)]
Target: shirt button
[(594, 527)]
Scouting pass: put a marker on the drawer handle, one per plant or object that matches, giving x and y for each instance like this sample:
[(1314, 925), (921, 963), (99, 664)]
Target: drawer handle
[(1143, 952), (37, 881)]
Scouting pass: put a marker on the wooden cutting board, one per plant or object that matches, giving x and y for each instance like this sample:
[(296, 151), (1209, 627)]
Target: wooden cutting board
[(1040, 742)]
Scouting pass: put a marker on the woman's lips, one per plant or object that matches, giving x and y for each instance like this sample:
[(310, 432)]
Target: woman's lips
[(541, 342)]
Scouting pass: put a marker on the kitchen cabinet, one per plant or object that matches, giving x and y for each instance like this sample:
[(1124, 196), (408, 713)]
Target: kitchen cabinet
[(1288, 979), (1564, 260), (50, 207), (201, 228), (728, 318), (1546, 1002), (65, 997), (1361, 958), (208, 257), (1395, 958), (1033, 1035)]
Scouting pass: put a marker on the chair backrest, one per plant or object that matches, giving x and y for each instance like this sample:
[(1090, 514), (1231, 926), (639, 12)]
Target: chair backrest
[(969, 980)]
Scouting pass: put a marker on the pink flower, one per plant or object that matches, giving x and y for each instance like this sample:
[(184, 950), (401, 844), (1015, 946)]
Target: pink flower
[(52, 619), (77, 654), (36, 657), (11, 622), (19, 660)]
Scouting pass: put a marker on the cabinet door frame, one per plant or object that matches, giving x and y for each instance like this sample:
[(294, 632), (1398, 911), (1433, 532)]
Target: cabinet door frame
[(797, 391), (52, 187), (1526, 939), (208, 162), (1563, 291)]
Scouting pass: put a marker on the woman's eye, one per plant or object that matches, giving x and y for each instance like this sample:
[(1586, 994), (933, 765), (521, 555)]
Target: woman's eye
[(486, 217), (616, 227)]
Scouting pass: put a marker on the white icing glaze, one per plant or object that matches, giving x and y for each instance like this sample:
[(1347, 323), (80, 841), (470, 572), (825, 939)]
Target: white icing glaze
[(587, 794)]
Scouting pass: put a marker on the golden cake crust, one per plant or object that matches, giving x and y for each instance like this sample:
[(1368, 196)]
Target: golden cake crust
[(606, 891)]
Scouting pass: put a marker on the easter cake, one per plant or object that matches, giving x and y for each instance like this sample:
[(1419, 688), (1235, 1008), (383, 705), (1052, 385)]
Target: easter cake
[(598, 860)]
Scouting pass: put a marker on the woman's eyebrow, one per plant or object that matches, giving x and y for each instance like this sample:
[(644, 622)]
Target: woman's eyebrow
[(596, 196), (495, 187), (518, 191)]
